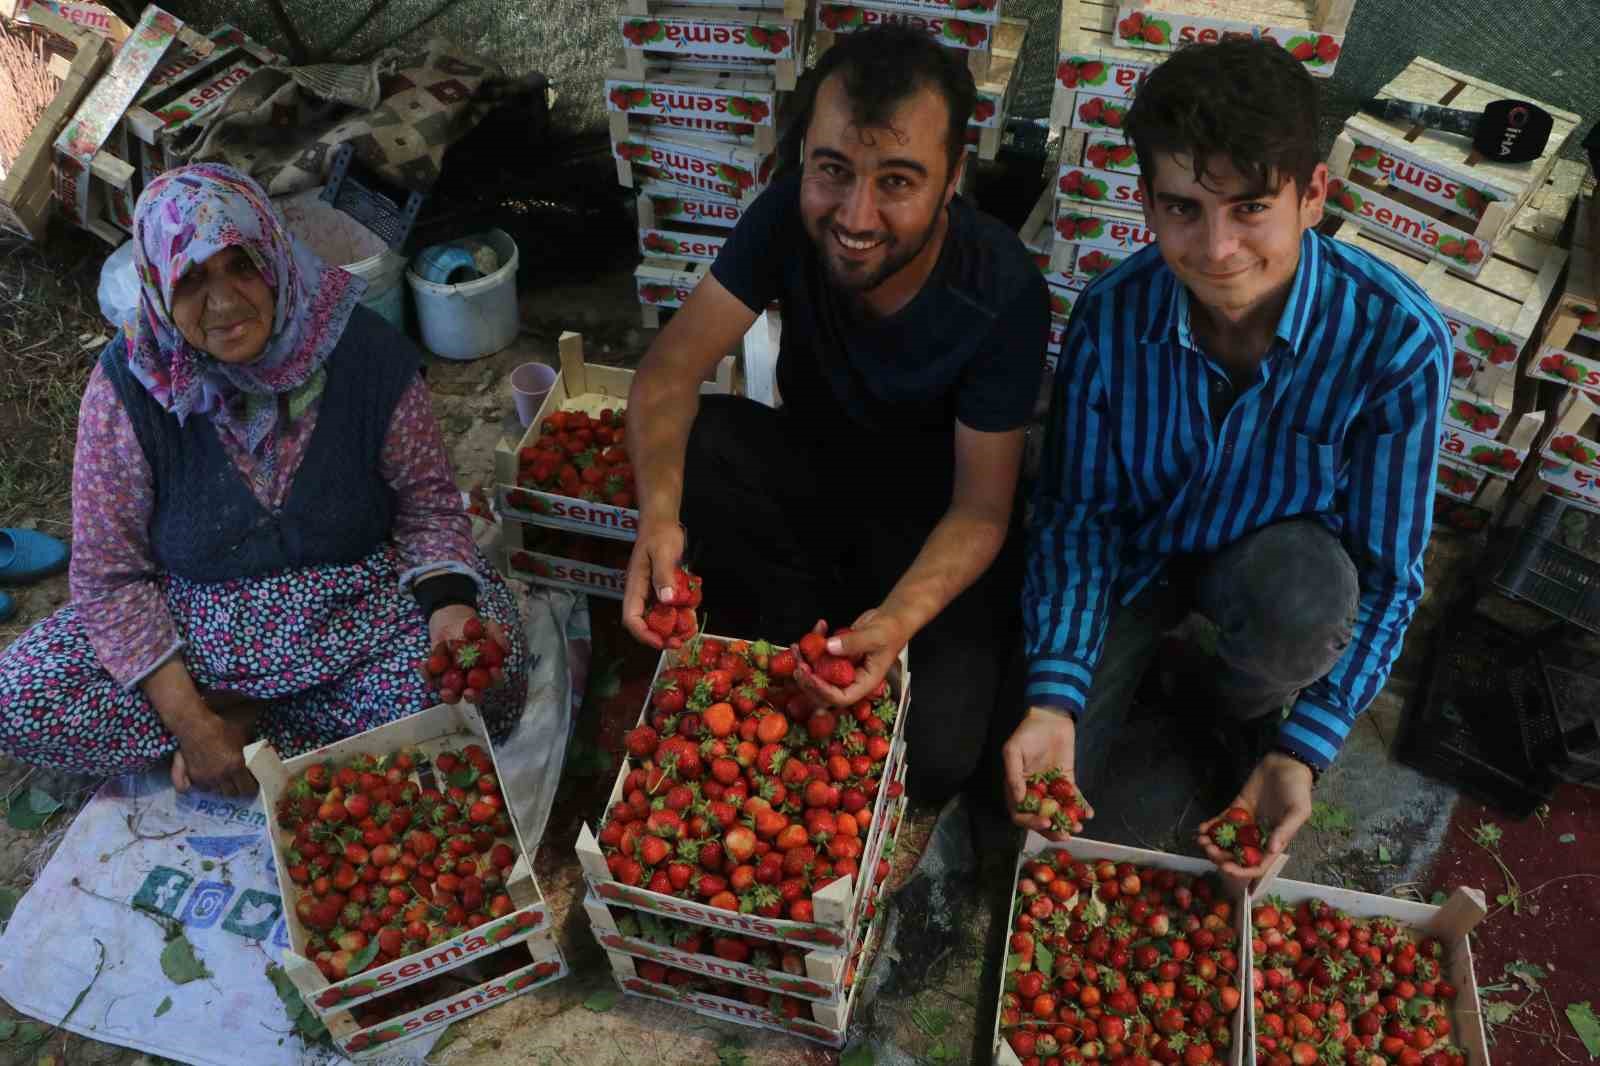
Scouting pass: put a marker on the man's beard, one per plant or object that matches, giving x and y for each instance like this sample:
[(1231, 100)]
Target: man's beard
[(853, 279)]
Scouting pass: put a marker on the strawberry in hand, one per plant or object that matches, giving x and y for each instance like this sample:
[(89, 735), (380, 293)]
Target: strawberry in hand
[(675, 622), (1277, 793), (468, 656), (1051, 795), (850, 665)]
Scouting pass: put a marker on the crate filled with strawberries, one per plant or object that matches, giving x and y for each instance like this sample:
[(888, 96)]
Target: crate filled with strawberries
[(1119, 954), (449, 996), (398, 858), (1347, 977), (570, 470), (693, 987), (744, 806)]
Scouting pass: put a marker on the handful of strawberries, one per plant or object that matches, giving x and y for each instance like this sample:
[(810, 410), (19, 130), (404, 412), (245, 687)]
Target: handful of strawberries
[(465, 669), (1237, 833), (675, 622), (1051, 795)]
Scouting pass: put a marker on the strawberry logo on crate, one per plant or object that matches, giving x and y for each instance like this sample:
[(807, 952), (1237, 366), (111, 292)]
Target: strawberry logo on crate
[(771, 40), (1081, 186), (1572, 447), (1480, 418), (1344, 197), (1497, 348), (1473, 201), (1098, 112), (1458, 482), (656, 242), (632, 152), (1459, 516), (1463, 367), (1108, 155), (640, 32), (1465, 251), (1075, 72), (748, 107), (1314, 51), (1559, 366), (838, 17), (629, 98), (735, 176), (1588, 321), (523, 500), (1080, 227), (984, 109), (1140, 30), (1059, 304), (1495, 458), (1095, 263), (971, 34), (528, 564)]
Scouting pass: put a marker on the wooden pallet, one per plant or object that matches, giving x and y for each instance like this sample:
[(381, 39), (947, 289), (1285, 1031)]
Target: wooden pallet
[(973, 36), (996, 93), (26, 190), (1312, 30), (715, 38), (737, 107)]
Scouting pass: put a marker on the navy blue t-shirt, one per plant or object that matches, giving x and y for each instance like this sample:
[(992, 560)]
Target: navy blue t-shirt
[(969, 346)]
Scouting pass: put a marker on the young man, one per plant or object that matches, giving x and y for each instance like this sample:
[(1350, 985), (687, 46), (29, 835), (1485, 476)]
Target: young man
[(1245, 422), (881, 493)]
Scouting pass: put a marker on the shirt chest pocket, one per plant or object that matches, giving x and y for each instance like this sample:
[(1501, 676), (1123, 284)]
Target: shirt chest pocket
[(1312, 471)]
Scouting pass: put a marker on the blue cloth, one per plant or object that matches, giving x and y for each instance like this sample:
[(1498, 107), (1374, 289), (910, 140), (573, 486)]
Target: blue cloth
[(1341, 423), (8, 607), (209, 526), (26, 555)]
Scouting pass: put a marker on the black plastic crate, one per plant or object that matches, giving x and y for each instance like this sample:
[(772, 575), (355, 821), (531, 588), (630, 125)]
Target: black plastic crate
[(1574, 681), (1482, 710), (1555, 563)]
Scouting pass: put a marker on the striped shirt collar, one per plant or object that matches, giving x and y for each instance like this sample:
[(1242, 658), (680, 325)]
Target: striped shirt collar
[(1172, 323)]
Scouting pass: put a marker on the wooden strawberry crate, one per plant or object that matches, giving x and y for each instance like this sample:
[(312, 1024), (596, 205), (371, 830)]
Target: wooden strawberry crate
[(827, 1024), (664, 284), (1081, 231), (89, 17), (688, 36), (972, 32), (561, 559), (578, 386), (1310, 30), (1570, 454), (1432, 175), (723, 169), (995, 92), (794, 9), (532, 964), (686, 241), (26, 189), (1493, 316), (837, 908), (824, 976), (438, 728), (1490, 455), (1578, 312), (667, 207), (723, 105), (1450, 923), (1085, 850)]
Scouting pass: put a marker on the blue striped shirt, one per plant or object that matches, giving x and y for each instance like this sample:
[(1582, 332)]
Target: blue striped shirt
[(1341, 423)]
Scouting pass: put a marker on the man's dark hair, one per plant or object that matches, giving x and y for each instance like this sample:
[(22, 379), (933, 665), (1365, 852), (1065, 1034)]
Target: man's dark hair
[(1248, 101), (882, 68)]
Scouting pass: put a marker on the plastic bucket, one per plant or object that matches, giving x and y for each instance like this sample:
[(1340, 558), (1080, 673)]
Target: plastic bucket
[(341, 240), (475, 318)]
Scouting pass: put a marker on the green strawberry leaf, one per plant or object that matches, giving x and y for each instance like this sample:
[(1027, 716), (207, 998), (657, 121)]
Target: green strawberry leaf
[(1586, 1025), (1043, 961), (363, 958), (165, 1005), (32, 809), (601, 1000), (1568, 838), (179, 963), (464, 777)]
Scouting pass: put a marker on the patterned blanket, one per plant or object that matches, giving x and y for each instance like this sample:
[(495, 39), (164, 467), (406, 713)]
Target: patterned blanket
[(399, 112)]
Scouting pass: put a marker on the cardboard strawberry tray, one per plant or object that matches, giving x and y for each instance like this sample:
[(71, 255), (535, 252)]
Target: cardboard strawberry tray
[(442, 1000), (427, 733), (779, 967), (836, 908), (822, 1023), (579, 386), (1097, 914), (1449, 923)]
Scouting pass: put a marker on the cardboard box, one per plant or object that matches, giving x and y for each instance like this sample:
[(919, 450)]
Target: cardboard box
[(1093, 851), (1450, 923), (837, 908), (1312, 31), (828, 1024), (578, 386), (430, 731), (825, 971), (522, 968)]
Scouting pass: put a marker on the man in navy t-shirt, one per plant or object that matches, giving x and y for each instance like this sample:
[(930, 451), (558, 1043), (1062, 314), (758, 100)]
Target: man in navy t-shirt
[(881, 493)]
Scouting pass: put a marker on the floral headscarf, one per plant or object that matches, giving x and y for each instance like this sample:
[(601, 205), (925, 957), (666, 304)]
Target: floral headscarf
[(184, 217)]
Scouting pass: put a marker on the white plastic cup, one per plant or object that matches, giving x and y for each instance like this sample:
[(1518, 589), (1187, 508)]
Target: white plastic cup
[(530, 384)]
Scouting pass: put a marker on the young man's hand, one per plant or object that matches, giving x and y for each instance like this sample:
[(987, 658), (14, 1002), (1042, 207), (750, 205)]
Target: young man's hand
[(1046, 739), (879, 635), (1278, 794), (657, 551)]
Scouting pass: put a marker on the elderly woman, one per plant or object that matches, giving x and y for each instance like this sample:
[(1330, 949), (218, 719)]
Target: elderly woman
[(266, 534)]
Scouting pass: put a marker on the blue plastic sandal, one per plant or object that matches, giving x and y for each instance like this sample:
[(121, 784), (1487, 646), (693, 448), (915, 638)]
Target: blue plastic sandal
[(26, 555), (8, 607)]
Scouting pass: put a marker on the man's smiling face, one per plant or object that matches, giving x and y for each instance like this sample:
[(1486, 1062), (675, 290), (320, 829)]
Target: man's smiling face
[(873, 197), (1234, 244)]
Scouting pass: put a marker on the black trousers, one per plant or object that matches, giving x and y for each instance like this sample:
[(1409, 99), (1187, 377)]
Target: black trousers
[(786, 529)]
